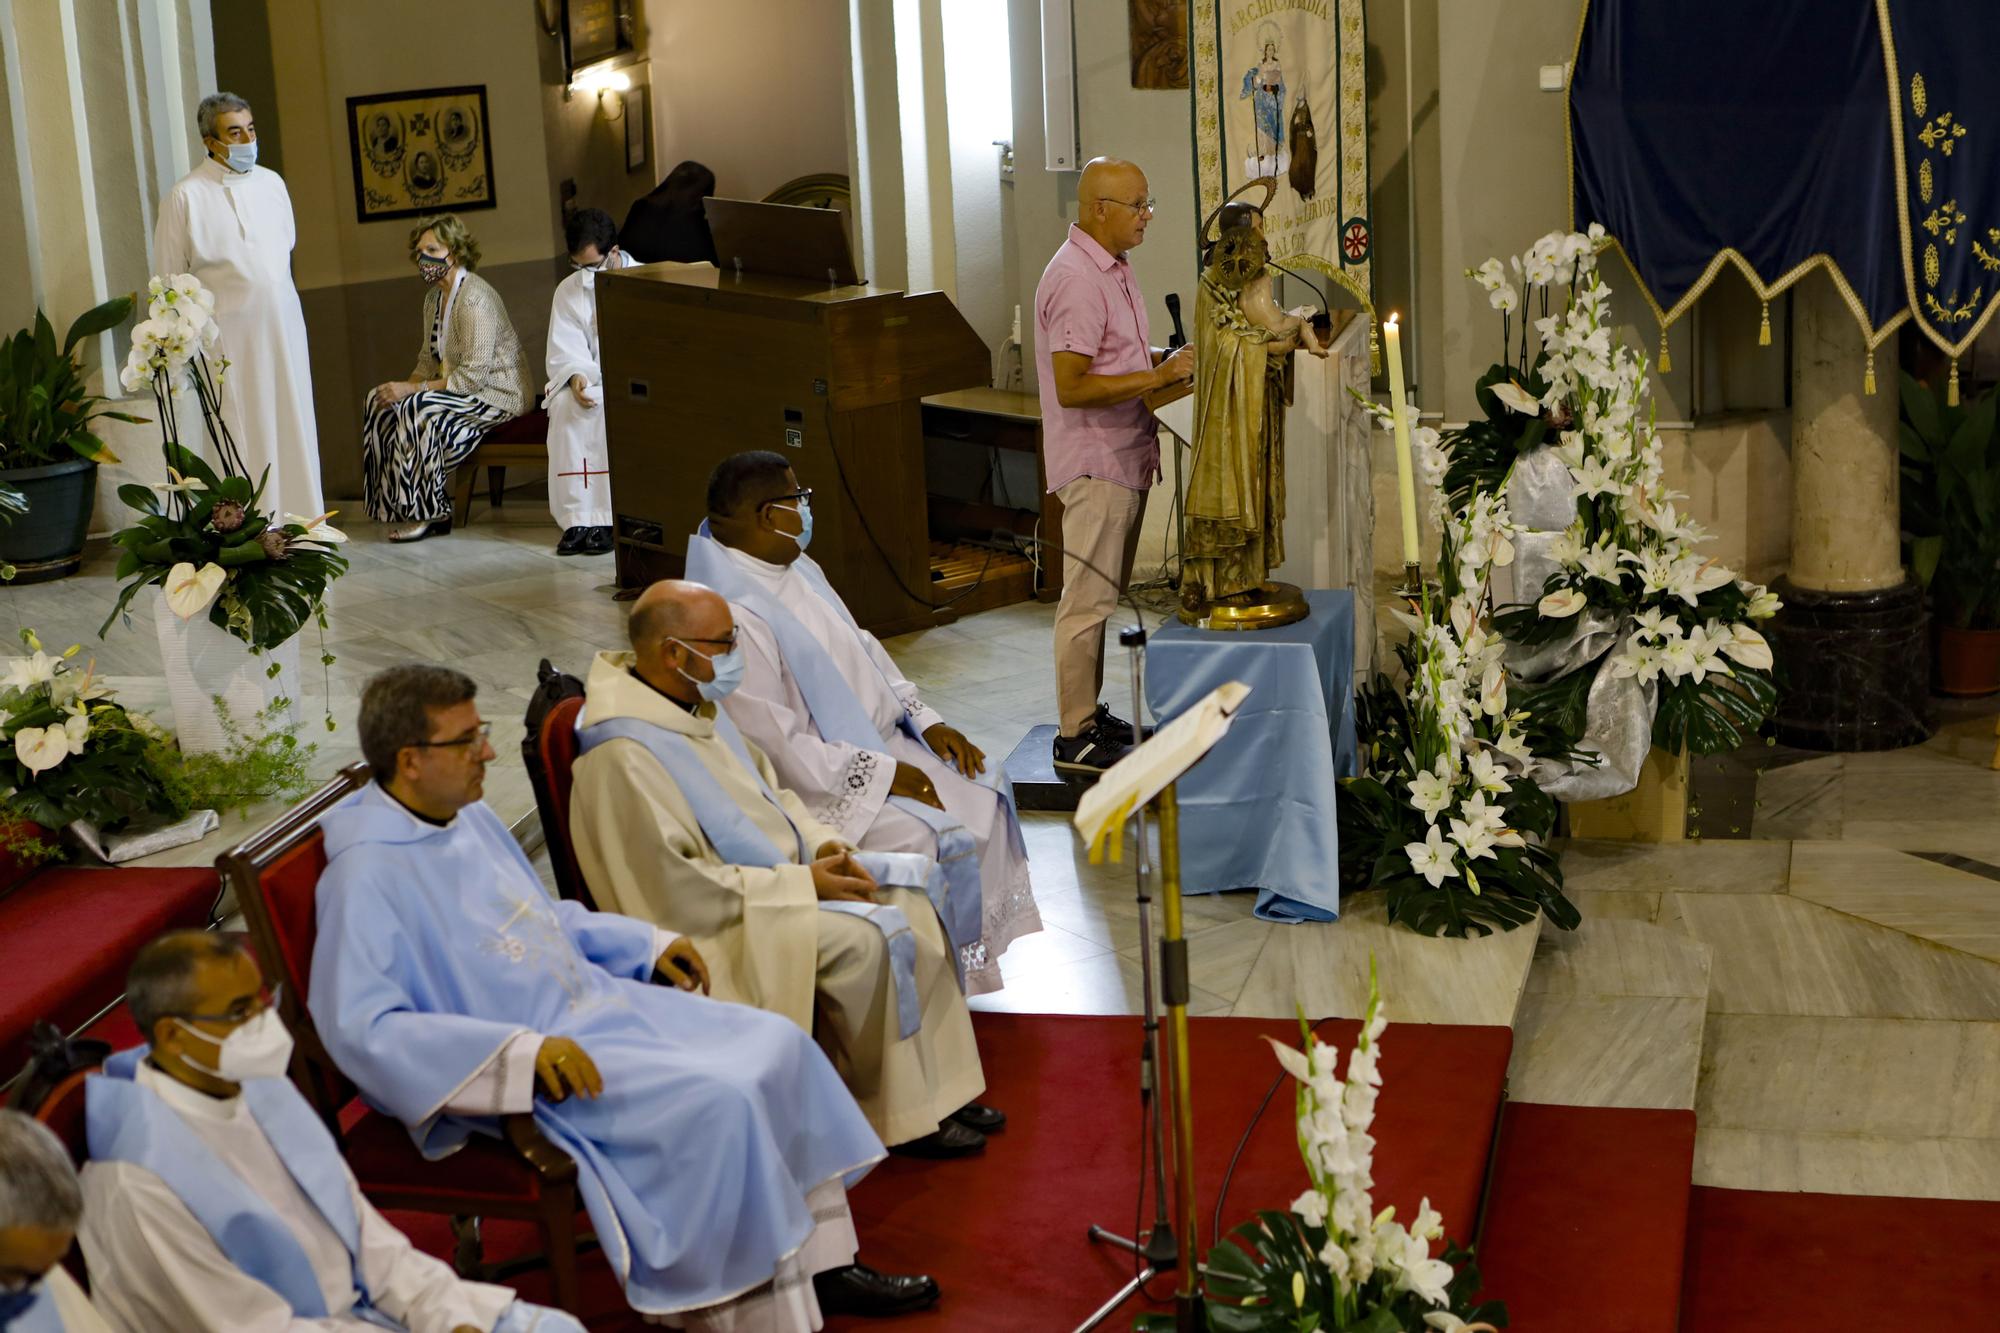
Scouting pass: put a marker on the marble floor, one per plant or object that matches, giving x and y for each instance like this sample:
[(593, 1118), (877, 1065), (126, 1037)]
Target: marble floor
[(1818, 978)]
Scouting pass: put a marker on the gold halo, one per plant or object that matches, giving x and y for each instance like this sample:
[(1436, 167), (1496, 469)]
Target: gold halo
[(1270, 184)]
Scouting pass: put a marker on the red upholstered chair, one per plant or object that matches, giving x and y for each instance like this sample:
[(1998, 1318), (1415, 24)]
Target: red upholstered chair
[(275, 874), (549, 749), (524, 441), (67, 938), (62, 1111)]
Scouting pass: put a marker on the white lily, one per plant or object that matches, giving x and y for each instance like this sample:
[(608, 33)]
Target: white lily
[(41, 748), (26, 672), (76, 729), (1431, 792), (190, 590), (1486, 774), (1596, 477), (1561, 603), (1433, 858), (1763, 605), (1474, 839)]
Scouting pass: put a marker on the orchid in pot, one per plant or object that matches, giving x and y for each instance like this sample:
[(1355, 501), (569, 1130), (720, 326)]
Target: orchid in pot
[(202, 537)]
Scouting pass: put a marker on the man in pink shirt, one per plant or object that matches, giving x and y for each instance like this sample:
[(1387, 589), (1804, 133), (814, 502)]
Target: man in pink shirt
[(1100, 445)]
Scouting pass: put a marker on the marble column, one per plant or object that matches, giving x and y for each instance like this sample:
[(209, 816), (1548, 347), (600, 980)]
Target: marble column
[(1853, 640)]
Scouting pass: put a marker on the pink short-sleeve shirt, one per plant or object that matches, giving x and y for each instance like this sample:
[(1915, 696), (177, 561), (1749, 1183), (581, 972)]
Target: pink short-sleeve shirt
[(1088, 302)]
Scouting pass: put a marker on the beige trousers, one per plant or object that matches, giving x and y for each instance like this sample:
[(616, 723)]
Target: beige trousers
[(1100, 524)]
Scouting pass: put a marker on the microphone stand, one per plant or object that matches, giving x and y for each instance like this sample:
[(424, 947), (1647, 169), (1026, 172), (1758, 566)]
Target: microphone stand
[(1160, 1250)]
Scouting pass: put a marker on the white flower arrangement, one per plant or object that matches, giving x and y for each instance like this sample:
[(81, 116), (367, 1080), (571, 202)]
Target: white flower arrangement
[(1331, 1260)]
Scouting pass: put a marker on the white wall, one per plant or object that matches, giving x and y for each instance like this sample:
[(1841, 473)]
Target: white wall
[(980, 99)]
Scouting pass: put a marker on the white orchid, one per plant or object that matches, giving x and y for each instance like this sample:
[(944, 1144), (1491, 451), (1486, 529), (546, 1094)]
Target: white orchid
[(1561, 603), (1504, 298), (1434, 858), (41, 748), (190, 590)]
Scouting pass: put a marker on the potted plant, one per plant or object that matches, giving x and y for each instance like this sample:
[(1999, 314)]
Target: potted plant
[(1951, 530), (48, 451), (237, 584)]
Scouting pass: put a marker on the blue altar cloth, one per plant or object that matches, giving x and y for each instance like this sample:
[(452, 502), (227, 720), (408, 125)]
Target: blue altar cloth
[(1257, 811)]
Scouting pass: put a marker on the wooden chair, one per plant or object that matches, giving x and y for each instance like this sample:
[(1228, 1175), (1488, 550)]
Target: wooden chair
[(275, 874), (548, 748), (523, 441)]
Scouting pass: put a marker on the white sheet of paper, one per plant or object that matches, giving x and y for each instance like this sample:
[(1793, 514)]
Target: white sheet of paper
[(1146, 771)]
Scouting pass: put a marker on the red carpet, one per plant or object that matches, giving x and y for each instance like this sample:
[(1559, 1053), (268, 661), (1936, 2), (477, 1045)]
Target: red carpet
[(1005, 1233), (1587, 1217), (1839, 1264)]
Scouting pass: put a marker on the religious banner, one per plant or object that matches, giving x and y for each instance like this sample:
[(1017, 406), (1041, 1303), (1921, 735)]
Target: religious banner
[(1159, 43), (420, 152), (1280, 90), (1855, 136)]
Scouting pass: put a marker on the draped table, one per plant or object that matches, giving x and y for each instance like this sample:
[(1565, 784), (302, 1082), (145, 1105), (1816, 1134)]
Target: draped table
[(1258, 811)]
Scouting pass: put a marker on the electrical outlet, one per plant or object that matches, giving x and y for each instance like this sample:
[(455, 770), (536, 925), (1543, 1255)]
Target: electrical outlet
[(794, 438)]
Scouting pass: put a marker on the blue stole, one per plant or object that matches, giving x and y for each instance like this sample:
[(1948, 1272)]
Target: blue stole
[(740, 842), (40, 1316), (840, 717), (128, 1123)]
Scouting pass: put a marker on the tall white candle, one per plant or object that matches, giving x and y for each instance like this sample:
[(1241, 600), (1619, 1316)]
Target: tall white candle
[(1406, 482)]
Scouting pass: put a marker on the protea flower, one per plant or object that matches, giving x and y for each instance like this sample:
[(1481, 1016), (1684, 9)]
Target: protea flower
[(275, 543), (227, 516)]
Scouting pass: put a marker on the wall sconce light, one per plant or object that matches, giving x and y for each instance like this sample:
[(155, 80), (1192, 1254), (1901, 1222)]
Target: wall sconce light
[(610, 85)]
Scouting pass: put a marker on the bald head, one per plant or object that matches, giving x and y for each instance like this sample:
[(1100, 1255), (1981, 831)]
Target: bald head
[(676, 626), (1112, 203)]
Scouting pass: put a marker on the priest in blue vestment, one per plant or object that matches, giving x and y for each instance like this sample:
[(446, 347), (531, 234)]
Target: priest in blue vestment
[(216, 1201), (40, 1206), (713, 1142)]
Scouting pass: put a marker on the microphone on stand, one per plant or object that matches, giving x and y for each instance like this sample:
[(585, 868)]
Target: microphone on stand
[(1174, 310)]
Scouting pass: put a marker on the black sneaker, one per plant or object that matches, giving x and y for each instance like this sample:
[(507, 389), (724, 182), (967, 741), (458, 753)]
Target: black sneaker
[(1089, 751), (1116, 728)]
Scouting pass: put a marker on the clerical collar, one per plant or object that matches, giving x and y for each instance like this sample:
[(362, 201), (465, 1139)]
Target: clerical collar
[(413, 813), (186, 1098), (682, 704)]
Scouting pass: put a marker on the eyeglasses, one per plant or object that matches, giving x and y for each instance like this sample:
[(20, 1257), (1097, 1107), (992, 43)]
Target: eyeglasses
[(483, 732), (803, 493), (728, 644), (242, 1011), (1146, 205)]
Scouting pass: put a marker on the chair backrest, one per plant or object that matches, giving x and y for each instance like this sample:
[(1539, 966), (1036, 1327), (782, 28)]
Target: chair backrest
[(276, 874), (548, 750), (61, 1109)]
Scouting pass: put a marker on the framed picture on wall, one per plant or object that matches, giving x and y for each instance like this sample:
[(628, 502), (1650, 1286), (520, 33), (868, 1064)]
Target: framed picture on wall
[(635, 128), (426, 151)]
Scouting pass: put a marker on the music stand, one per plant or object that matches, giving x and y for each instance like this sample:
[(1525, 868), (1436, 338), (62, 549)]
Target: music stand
[(784, 240), (1146, 776)]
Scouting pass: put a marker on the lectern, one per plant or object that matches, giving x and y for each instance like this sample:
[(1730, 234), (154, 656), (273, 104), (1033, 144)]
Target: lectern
[(701, 363)]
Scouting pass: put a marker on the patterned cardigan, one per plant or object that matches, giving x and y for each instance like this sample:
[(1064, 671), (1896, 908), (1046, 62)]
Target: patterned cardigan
[(482, 355)]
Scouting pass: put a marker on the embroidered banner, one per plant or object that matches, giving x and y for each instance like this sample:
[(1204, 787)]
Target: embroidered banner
[(1280, 90)]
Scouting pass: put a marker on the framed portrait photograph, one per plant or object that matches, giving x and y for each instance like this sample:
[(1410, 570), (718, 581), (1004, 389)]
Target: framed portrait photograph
[(427, 151)]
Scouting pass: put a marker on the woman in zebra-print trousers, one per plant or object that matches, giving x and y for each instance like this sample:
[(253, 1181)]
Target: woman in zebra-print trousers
[(470, 377)]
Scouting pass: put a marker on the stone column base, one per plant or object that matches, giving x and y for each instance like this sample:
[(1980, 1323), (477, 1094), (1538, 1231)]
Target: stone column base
[(1855, 668)]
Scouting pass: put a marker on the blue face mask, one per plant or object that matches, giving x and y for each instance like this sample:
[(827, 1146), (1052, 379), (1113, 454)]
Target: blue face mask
[(14, 1304), (242, 156), (728, 668), (804, 535)]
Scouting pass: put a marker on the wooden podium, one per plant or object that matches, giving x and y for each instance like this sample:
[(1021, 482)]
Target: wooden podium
[(701, 363)]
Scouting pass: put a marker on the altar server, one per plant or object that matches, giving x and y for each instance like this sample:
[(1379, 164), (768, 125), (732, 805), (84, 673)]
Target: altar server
[(229, 222), (676, 819), (40, 1206), (215, 1199), (713, 1142), (579, 475), (844, 730)]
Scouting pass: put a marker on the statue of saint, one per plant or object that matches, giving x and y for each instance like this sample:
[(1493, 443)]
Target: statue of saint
[(1236, 487)]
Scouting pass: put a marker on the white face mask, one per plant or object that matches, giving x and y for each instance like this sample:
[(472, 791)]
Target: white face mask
[(261, 1048)]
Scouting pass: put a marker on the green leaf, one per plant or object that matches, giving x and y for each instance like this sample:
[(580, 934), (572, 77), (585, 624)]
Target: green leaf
[(1924, 553), (142, 498), (1920, 405), (98, 320)]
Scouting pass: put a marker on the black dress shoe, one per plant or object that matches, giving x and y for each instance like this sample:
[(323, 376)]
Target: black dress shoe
[(572, 541), (951, 1139), (985, 1119), (859, 1290), (596, 541)]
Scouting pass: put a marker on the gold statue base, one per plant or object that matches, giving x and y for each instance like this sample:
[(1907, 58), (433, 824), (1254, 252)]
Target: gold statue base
[(1265, 607)]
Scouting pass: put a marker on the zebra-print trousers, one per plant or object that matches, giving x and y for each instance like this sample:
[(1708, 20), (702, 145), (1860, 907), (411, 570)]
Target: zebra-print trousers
[(410, 448)]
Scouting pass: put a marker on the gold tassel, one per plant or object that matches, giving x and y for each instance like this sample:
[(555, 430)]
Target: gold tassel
[(1764, 327), (1374, 347), (1868, 379), (1666, 361), (1951, 391)]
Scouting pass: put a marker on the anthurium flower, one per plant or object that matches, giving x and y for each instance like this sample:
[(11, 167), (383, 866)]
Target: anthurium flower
[(317, 529), (1562, 602), (190, 590), (41, 748), (1514, 396)]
